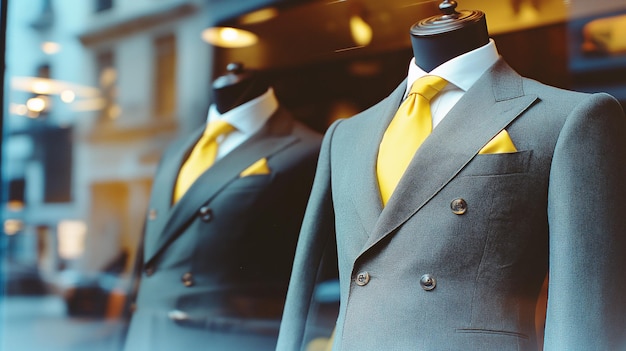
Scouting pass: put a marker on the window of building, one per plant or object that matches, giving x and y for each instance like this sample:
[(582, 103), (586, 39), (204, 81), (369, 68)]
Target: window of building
[(107, 80), (165, 76), (103, 5), (56, 158)]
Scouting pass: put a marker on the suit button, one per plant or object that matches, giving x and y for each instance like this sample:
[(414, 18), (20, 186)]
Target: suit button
[(149, 270), (362, 278), (458, 206), (187, 279), (428, 282), (205, 213), (152, 214)]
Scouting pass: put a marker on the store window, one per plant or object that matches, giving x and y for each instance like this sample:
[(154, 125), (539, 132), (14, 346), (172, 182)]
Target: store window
[(165, 76), (97, 92)]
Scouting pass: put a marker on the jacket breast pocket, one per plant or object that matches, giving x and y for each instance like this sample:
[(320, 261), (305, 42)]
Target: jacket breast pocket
[(251, 182), (498, 164)]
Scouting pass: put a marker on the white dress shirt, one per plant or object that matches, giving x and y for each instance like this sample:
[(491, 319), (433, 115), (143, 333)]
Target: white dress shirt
[(461, 73), (247, 119)]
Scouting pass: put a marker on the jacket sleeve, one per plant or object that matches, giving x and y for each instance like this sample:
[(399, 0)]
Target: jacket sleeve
[(587, 280), (318, 229)]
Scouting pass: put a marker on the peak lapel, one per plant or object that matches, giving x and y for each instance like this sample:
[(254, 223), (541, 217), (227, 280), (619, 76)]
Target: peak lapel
[(365, 191), (494, 101), (163, 188), (273, 137)]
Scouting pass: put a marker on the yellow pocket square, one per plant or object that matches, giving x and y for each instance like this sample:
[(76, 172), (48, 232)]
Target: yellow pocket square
[(258, 168), (500, 144)]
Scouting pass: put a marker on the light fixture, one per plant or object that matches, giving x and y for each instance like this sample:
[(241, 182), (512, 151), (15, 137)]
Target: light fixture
[(360, 30), (229, 37), (37, 104), (12, 226), (50, 47), (68, 96)]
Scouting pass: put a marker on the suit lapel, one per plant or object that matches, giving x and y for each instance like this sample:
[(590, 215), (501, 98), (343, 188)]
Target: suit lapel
[(273, 137), (163, 188), (365, 191), (168, 171), (494, 101)]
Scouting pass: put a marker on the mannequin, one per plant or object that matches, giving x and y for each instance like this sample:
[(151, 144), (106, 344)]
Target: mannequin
[(214, 265), (237, 86), (438, 39), (456, 259)]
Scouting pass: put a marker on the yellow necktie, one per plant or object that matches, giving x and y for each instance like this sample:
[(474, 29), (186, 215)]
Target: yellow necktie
[(201, 157), (406, 132)]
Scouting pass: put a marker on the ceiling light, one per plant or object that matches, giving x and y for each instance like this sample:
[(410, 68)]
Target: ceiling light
[(228, 37), (50, 47), (360, 30), (36, 104), (68, 96)]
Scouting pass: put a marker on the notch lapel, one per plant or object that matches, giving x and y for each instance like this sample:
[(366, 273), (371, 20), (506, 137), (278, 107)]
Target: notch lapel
[(365, 190), (494, 101), (273, 137)]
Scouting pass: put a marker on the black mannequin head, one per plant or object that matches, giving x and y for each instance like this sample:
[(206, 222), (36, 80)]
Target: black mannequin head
[(438, 39), (237, 86)]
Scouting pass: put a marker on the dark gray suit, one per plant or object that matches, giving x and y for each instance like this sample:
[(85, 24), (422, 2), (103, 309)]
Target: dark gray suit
[(456, 259), (216, 264)]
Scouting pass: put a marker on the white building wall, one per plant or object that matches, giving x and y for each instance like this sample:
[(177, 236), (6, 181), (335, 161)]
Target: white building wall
[(128, 155)]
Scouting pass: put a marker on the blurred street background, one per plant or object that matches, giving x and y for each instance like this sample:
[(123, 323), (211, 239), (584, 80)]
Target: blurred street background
[(40, 323)]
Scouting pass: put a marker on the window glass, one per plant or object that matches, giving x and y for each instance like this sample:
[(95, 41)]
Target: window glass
[(97, 90)]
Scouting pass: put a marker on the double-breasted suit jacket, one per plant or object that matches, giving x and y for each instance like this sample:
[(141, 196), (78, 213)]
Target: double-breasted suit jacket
[(216, 264), (457, 257)]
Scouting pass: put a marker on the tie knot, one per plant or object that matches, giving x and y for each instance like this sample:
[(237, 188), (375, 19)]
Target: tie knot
[(217, 128), (428, 86)]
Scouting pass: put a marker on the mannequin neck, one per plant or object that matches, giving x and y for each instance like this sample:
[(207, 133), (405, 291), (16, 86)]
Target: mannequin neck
[(228, 97), (430, 51)]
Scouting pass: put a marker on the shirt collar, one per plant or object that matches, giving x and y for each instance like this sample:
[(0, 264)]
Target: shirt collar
[(248, 117), (456, 70)]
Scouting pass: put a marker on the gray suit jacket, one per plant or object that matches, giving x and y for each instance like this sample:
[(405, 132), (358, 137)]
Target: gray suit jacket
[(456, 259), (216, 265)]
